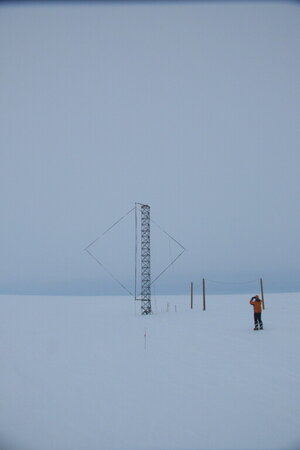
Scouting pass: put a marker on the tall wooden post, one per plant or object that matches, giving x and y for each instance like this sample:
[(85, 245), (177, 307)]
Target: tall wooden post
[(192, 295), (203, 294), (262, 293)]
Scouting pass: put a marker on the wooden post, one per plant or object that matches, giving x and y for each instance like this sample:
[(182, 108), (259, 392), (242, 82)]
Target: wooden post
[(192, 294), (203, 294), (262, 293)]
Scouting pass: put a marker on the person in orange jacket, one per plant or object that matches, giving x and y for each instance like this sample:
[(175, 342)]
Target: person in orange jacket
[(257, 306)]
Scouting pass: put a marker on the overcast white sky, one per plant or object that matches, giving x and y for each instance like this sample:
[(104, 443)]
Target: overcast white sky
[(192, 108)]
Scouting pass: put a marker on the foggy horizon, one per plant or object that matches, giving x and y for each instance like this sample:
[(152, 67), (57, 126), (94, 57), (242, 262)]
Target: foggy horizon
[(192, 108)]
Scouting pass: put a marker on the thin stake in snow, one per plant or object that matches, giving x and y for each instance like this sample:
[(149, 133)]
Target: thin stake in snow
[(262, 293), (203, 294)]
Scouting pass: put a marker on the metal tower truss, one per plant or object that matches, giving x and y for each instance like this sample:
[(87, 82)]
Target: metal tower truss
[(145, 260), (143, 232)]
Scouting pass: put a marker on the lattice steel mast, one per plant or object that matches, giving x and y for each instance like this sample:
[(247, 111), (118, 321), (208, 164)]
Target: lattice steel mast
[(145, 293), (145, 260)]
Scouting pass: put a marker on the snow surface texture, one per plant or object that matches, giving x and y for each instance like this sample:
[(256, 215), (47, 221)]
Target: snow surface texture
[(92, 373)]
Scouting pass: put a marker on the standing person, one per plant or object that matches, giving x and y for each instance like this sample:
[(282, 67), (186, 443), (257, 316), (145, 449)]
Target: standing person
[(257, 306)]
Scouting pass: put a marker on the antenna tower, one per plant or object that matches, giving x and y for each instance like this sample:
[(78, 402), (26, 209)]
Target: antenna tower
[(145, 293), (145, 260)]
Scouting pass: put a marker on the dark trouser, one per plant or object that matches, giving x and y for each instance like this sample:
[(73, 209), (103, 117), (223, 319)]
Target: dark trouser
[(257, 320)]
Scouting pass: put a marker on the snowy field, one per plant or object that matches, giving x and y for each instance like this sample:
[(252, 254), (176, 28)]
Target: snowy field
[(90, 373)]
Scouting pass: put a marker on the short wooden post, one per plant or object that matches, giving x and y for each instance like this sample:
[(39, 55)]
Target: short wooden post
[(192, 295), (203, 294), (262, 293)]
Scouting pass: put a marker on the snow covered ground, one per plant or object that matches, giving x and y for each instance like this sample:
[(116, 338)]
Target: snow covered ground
[(92, 373)]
